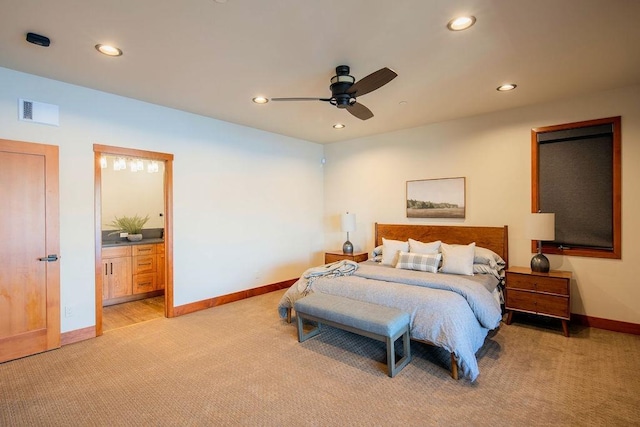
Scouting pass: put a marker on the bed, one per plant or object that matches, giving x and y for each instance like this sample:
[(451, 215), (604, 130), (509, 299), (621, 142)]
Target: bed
[(453, 302)]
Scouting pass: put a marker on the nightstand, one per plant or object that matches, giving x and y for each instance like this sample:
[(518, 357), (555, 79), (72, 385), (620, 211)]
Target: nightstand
[(338, 255), (544, 294)]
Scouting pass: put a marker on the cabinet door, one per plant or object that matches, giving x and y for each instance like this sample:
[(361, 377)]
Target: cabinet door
[(120, 276)]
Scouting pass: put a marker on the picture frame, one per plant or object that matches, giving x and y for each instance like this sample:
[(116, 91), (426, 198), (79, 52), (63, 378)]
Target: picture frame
[(436, 198)]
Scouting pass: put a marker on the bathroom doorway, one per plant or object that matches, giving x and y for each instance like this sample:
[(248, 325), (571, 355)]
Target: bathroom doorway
[(164, 242)]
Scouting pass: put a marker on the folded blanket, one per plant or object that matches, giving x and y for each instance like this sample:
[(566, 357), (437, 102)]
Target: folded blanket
[(335, 269), (303, 286)]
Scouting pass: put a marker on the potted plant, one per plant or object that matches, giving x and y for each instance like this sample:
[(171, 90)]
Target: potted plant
[(132, 225)]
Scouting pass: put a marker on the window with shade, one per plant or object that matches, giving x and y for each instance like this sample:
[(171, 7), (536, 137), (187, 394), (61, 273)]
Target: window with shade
[(576, 175)]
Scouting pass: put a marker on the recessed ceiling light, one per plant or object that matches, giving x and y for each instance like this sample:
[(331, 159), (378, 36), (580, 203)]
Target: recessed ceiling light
[(108, 50), (338, 126), (461, 23), (507, 87), (260, 100)]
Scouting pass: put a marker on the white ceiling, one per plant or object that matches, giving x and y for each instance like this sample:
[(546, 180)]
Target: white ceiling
[(211, 58)]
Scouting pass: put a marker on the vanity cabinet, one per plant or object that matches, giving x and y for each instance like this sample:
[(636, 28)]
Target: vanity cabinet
[(132, 272), (116, 270)]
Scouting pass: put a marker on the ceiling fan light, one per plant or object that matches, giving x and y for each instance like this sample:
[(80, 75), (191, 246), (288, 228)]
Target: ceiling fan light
[(260, 100), (343, 79), (461, 23), (338, 126)]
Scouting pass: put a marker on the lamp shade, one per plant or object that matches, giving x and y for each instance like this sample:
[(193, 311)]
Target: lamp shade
[(542, 226), (348, 222)]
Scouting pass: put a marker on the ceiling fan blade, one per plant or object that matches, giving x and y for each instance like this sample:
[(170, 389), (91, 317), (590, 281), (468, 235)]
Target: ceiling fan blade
[(372, 82), (360, 111), (300, 99)]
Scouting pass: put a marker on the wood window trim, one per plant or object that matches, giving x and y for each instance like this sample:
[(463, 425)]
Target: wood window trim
[(616, 252)]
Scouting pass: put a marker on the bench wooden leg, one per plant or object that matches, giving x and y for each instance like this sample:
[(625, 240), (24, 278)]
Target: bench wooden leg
[(454, 367)]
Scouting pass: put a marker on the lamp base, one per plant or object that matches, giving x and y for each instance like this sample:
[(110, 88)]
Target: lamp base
[(347, 248), (540, 264)]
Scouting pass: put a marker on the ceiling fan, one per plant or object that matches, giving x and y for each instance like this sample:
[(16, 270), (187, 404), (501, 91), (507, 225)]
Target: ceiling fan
[(345, 90)]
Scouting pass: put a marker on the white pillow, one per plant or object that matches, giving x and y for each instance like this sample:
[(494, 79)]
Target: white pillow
[(488, 257), (390, 250), (419, 262), (458, 259), (485, 269), (418, 247)]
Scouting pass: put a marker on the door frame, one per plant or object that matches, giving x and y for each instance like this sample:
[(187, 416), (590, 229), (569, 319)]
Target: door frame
[(98, 151)]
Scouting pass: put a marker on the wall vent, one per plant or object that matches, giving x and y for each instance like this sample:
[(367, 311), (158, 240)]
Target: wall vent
[(38, 112)]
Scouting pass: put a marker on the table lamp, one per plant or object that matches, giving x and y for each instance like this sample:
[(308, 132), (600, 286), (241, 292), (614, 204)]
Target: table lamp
[(541, 228), (348, 223)]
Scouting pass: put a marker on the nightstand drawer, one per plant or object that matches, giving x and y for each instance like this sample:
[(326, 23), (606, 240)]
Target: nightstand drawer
[(550, 305), (330, 257), (551, 285)]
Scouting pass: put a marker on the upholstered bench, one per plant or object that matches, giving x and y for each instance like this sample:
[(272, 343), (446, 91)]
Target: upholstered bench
[(382, 323)]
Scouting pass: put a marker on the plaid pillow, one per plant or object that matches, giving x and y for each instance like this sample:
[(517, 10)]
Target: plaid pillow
[(419, 262)]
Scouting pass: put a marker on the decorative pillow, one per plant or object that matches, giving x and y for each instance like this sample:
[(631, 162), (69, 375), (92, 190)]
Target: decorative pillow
[(390, 250), (418, 247), (457, 259), (488, 257), (376, 254), (419, 262)]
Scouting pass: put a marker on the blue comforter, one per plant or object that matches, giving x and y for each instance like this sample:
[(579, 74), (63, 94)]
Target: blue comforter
[(451, 311)]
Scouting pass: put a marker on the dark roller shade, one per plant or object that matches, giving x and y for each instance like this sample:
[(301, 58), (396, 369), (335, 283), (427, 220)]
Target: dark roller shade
[(576, 183)]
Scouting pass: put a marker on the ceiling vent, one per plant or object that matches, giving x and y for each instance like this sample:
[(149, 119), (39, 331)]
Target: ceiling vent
[(38, 112)]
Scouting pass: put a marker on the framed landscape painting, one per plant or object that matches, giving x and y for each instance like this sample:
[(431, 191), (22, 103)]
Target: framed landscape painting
[(436, 198)]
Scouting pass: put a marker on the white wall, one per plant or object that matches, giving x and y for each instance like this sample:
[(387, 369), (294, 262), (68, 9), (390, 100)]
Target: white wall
[(368, 177), (246, 205)]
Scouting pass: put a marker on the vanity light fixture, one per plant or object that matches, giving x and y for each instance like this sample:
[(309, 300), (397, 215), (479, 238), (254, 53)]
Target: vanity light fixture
[(136, 165), (108, 50), (152, 167), (338, 126), (461, 23), (506, 87), (260, 100), (119, 164)]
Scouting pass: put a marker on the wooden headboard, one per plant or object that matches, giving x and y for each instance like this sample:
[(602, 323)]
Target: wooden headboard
[(494, 238)]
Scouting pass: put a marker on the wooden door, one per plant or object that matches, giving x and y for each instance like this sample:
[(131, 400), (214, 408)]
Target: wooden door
[(29, 249)]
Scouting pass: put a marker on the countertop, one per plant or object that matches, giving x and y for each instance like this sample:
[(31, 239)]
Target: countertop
[(111, 243)]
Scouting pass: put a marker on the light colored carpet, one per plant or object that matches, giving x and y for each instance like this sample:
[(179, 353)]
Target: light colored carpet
[(239, 364)]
